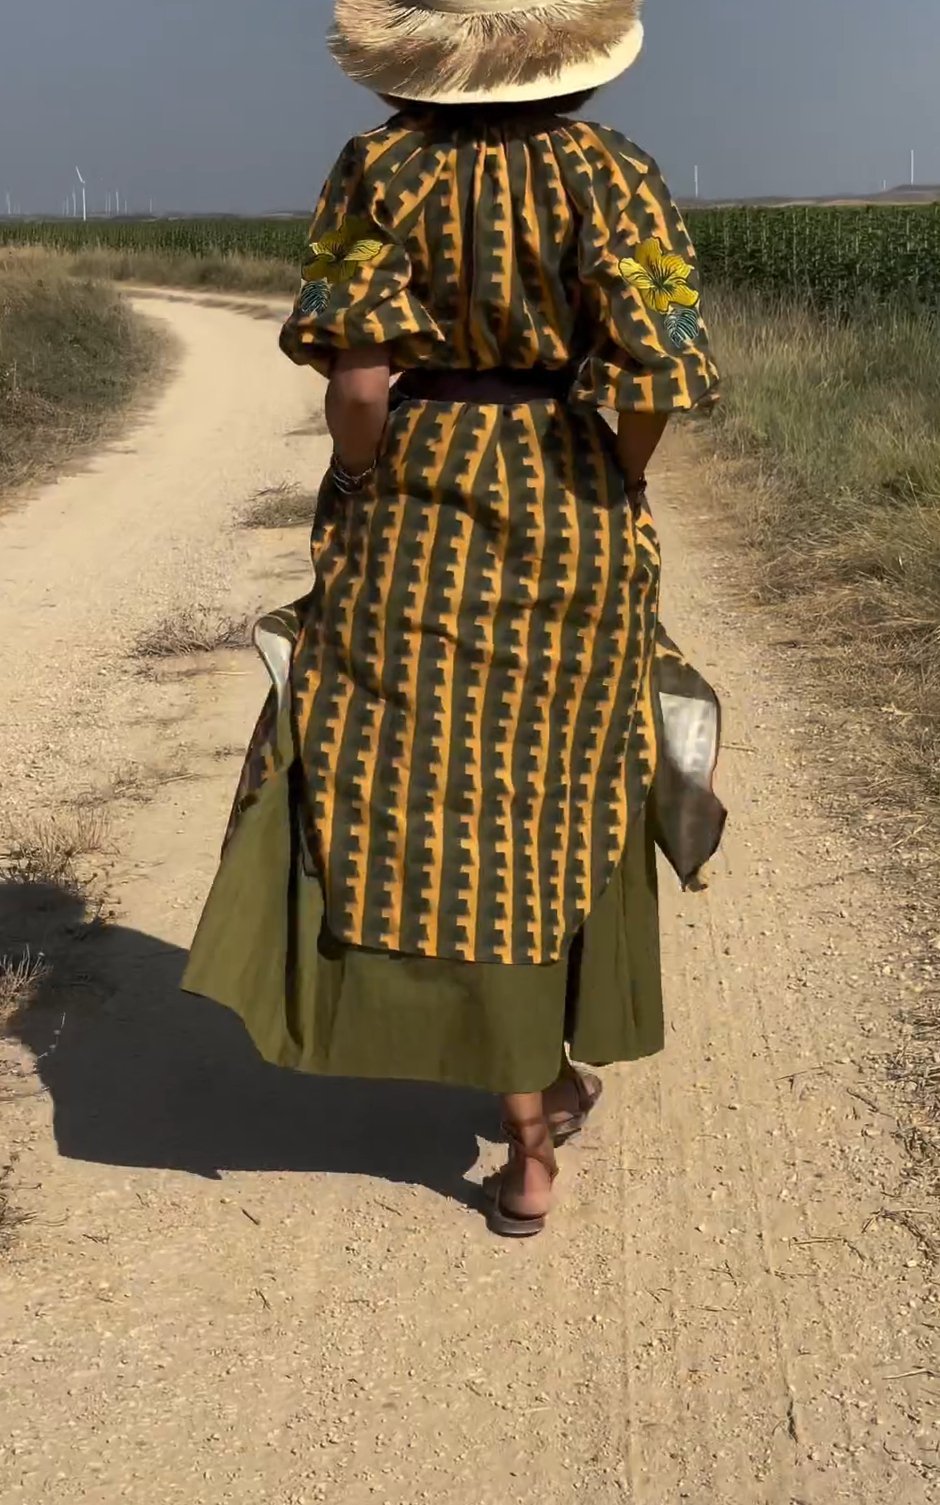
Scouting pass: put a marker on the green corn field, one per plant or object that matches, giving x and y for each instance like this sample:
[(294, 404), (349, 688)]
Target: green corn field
[(834, 257), (274, 239)]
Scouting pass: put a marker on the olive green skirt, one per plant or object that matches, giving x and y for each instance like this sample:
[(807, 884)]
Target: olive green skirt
[(309, 1002)]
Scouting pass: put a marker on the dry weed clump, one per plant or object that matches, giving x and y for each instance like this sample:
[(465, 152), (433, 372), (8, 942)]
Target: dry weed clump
[(283, 506), (21, 978), (192, 630), (50, 892), (47, 851), (10, 1217), (133, 784), (915, 1071), (129, 785)]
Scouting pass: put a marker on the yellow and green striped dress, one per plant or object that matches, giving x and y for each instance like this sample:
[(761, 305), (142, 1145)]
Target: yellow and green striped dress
[(439, 863)]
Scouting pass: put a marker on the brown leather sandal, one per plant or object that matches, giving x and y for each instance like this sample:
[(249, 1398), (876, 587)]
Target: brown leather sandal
[(513, 1224), (590, 1090)]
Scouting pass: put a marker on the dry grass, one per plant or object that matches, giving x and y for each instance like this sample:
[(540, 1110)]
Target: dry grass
[(234, 273), (21, 978), (132, 784), (50, 894), (229, 274), (915, 1070), (834, 442), (47, 851), (834, 430), (10, 1218), (192, 631), (283, 506), (72, 356)]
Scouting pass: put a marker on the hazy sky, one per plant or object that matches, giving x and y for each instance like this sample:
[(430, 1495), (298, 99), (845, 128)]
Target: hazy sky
[(235, 104)]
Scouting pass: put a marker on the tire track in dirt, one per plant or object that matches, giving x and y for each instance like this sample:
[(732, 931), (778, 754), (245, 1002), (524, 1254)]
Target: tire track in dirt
[(241, 1285)]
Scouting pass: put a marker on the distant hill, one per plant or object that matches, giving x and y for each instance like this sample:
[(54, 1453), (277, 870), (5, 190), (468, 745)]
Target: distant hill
[(917, 193)]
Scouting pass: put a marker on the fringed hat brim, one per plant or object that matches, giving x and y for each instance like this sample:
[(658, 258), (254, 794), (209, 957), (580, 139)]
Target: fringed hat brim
[(445, 57)]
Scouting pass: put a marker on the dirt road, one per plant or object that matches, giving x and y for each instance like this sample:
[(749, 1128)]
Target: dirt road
[(241, 1286)]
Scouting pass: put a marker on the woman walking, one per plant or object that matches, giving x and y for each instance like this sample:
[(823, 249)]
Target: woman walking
[(441, 860)]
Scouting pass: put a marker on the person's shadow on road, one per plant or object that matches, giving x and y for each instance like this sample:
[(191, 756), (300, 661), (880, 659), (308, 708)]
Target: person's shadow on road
[(142, 1075)]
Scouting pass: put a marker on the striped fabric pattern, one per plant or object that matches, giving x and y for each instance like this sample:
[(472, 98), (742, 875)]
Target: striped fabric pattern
[(470, 708)]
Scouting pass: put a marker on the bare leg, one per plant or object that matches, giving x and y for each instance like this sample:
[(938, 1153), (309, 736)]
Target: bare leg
[(527, 1181)]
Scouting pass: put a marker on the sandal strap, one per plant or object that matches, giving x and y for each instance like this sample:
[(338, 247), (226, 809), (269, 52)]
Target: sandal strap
[(544, 1152), (586, 1088)]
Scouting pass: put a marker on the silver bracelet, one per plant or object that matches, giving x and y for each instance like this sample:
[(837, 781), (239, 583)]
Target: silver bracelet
[(345, 481)]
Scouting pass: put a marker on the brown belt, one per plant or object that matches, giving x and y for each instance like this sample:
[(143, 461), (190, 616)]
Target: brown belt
[(500, 385)]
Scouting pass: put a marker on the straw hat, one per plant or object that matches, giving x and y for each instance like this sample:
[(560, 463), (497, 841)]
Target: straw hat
[(485, 51)]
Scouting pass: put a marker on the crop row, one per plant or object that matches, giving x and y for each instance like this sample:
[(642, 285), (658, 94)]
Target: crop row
[(835, 256), (280, 239)]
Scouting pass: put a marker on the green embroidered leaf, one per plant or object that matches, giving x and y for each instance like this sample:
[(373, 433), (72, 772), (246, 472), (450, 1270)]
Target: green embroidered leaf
[(314, 296), (683, 326)]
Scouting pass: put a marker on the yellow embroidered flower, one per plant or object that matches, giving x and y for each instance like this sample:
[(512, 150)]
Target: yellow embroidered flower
[(339, 254), (661, 277)]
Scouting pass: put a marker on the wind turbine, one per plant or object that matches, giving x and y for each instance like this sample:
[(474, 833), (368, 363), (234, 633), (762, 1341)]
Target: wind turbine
[(84, 204)]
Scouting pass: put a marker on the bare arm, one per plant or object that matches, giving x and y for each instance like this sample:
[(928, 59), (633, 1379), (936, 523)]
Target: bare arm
[(638, 436), (357, 405)]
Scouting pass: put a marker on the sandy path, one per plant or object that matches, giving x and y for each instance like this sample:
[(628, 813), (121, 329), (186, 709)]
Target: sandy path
[(242, 1286)]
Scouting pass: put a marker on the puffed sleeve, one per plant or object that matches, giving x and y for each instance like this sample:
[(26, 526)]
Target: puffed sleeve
[(356, 278), (649, 350)]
